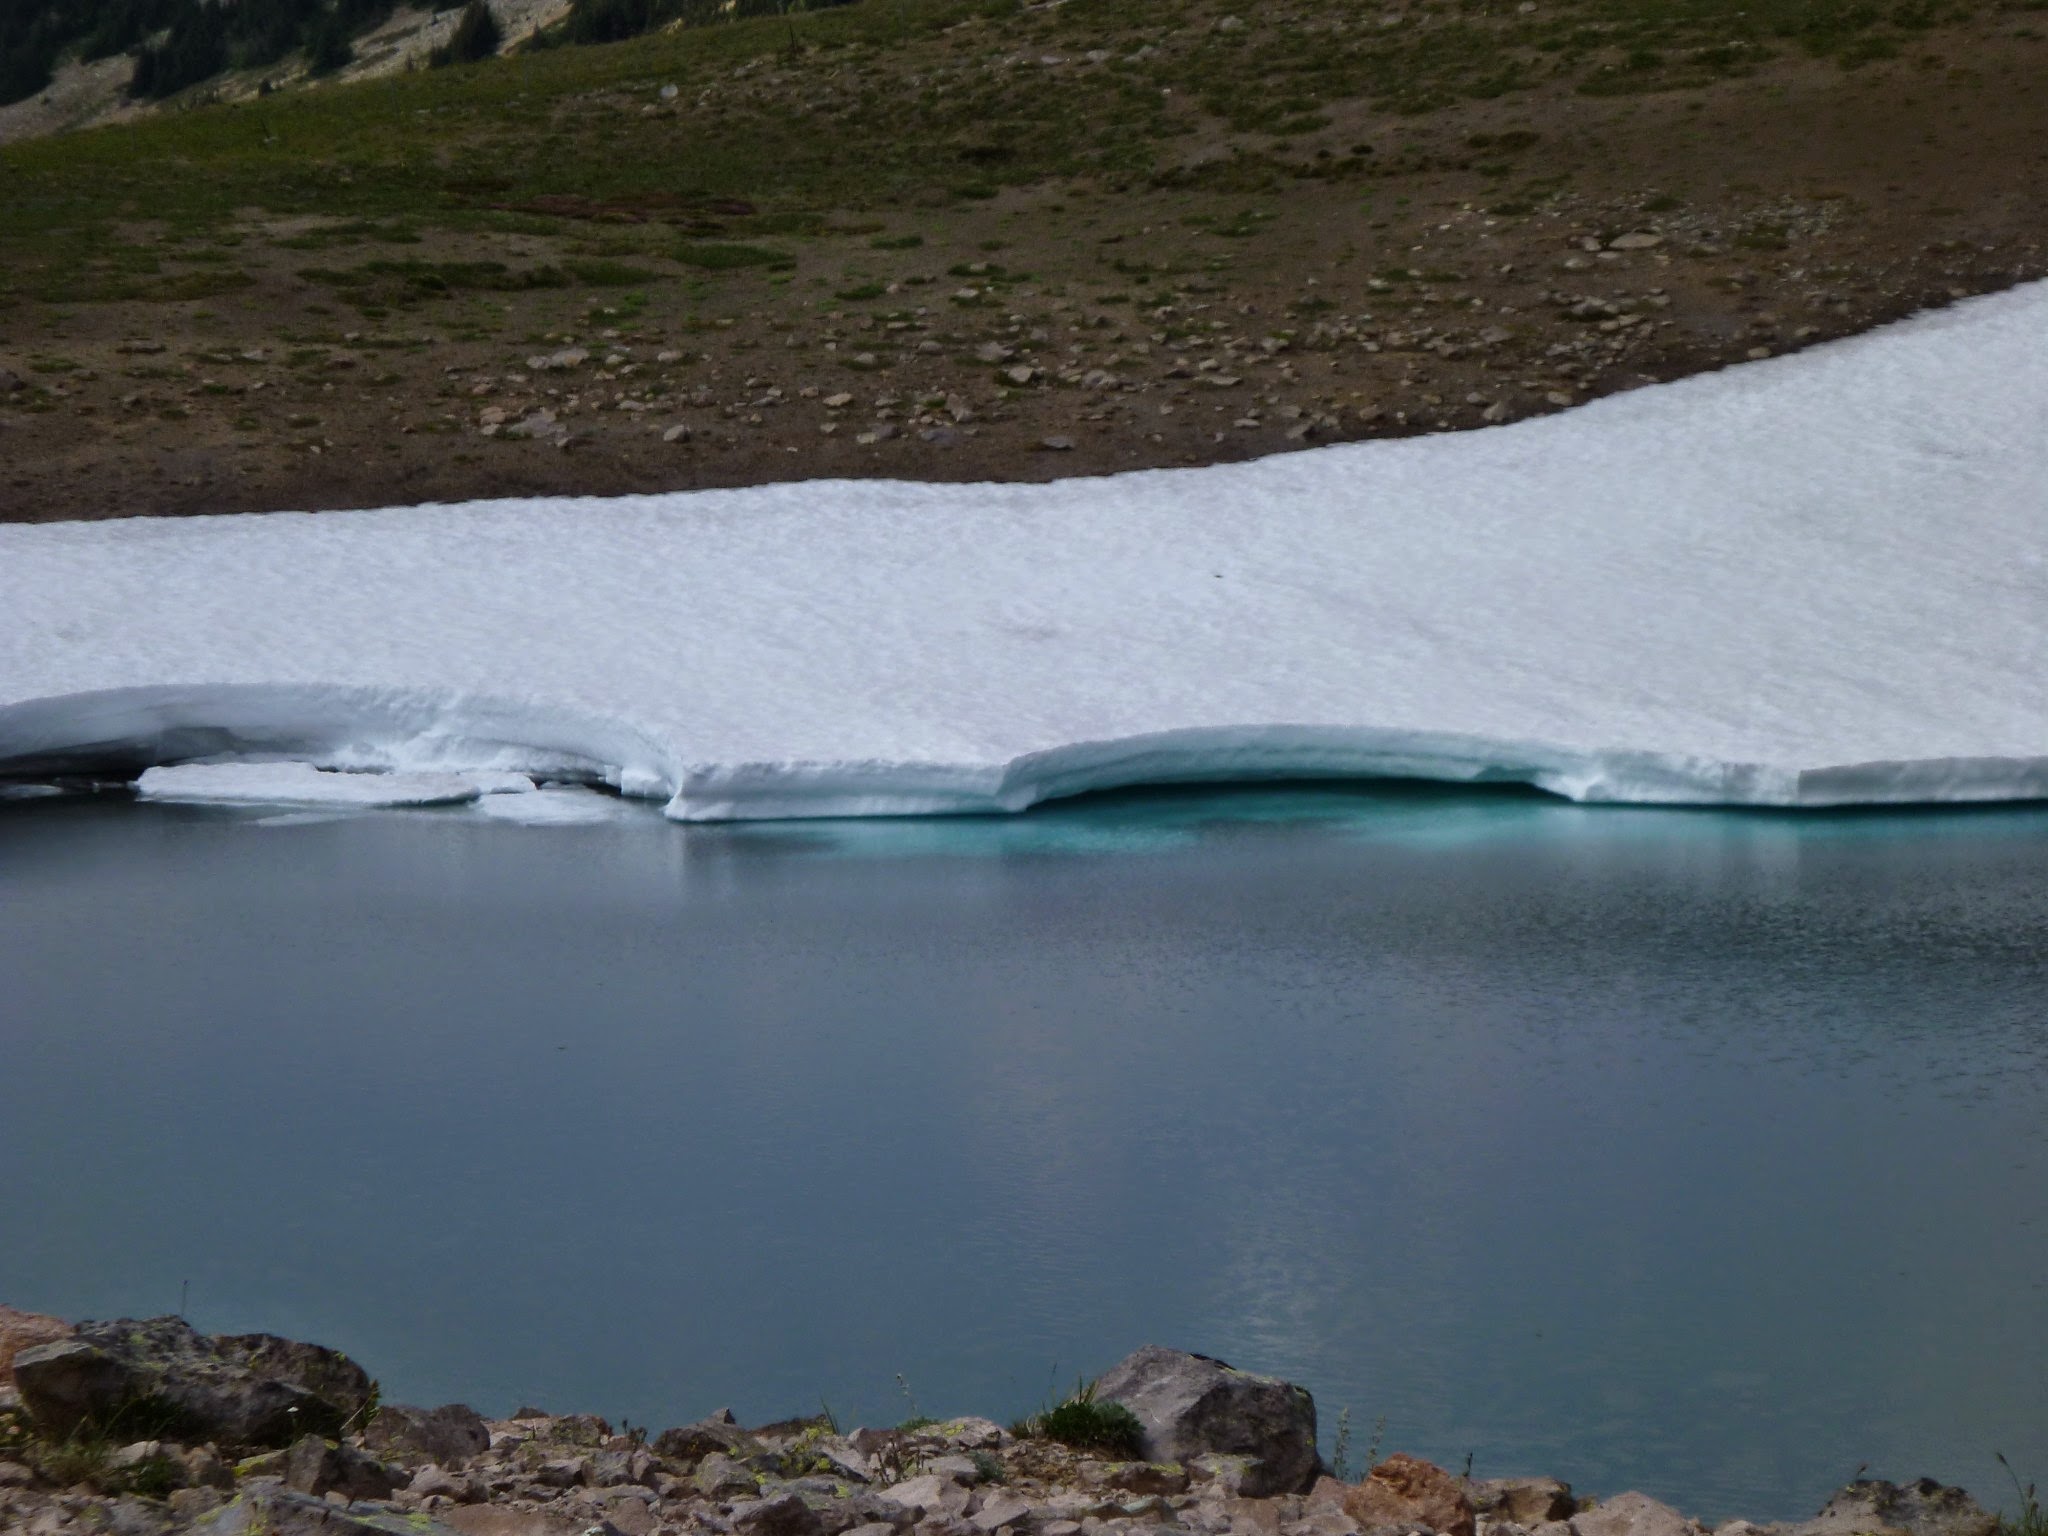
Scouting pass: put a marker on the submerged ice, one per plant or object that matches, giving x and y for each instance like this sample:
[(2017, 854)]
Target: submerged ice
[(1817, 580)]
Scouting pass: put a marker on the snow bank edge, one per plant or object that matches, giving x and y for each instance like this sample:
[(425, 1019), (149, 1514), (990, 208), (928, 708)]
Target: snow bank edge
[(131, 730)]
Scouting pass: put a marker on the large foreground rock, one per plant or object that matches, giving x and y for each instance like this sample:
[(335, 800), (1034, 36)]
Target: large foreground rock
[(163, 1378), (1924, 1508), (1191, 1405)]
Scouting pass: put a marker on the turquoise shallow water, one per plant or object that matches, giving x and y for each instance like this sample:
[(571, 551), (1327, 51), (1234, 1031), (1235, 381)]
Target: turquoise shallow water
[(1701, 1153)]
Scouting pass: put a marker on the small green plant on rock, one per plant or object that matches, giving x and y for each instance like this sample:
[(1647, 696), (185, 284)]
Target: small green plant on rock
[(2030, 1519), (1086, 1425), (69, 1462)]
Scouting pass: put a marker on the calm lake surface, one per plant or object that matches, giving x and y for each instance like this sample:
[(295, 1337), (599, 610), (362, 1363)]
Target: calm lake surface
[(1703, 1153)]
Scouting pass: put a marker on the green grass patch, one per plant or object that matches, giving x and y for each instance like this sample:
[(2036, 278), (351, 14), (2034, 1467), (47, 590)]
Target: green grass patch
[(729, 256), (385, 282), (1087, 1425)]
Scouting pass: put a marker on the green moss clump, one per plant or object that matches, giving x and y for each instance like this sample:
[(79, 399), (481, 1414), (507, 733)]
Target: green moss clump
[(1087, 1425)]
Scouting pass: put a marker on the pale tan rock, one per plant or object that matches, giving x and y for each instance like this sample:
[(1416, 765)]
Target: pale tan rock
[(936, 1496), (1632, 1514), (1405, 1489), (1528, 1501), (24, 1330)]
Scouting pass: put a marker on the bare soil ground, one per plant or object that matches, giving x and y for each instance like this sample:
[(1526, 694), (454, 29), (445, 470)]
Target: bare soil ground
[(1354, 271)]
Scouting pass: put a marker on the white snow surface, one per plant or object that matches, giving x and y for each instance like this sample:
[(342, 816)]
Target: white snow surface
[(292, 783), (1816, 580)]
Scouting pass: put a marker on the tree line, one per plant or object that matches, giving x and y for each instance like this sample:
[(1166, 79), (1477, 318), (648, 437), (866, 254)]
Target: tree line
[(181, 43)]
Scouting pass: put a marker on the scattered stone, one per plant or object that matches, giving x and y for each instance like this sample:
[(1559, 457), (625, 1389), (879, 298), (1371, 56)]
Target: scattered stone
[(679, 433), (1635, 240), (930, 1496), (1191, 1404), (1022, 373), (839, 401), (994, 352), (1059, 442), (540, 423), (718, 1475), (432, 1481), (568, 357), (1001, 1509)]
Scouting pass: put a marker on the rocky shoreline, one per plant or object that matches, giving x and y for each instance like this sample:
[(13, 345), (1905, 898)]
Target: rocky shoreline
[(147, 1427)]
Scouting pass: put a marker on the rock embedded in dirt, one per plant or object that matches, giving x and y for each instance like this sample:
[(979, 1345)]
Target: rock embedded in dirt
[(450, 1436), (281, 1512), (320, 1467), (1525, 1501), (788, 1515), (1189, 1405), (931, 1496), (1406, 1490), (1874, 1508), (245, 1390)]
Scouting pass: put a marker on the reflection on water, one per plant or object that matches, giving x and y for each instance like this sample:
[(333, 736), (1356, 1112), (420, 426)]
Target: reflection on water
[(1701, 1152)]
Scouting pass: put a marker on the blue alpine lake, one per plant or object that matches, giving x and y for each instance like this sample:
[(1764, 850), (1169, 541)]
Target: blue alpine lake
[(1701, 1153)]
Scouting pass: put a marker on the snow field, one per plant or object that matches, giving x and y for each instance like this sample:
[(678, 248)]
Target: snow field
[(1816, 580)]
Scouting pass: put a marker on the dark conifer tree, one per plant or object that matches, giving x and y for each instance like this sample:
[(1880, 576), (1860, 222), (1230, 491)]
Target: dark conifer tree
[(477, 35)]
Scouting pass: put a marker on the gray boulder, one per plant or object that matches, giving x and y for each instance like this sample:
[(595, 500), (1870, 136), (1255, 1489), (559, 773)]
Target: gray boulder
[(1871, 1507), (450, 1436), (281, 1512), (1191, 1405), (321, 1467), (162, 1377), (719, 1433), (786, 1516)]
